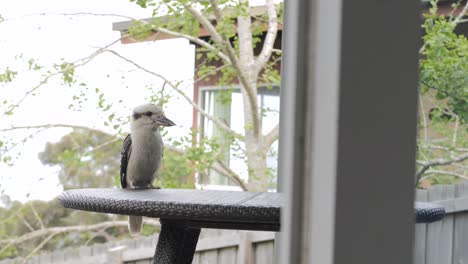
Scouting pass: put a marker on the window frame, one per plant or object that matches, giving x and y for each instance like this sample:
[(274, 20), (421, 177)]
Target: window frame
[(263, 87)]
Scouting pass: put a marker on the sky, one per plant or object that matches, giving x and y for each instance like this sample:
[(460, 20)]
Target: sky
[(41, 30)]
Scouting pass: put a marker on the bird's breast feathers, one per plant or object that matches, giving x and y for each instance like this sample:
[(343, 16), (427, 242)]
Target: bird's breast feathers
[(146, 157)]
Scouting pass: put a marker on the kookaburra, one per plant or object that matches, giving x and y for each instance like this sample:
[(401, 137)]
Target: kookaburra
[(142, 152)]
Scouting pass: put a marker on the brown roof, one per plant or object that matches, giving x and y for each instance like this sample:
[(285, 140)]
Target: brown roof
[(124, 26)]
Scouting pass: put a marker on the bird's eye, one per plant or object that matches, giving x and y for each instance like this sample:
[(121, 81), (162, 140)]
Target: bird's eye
[(148, 114)]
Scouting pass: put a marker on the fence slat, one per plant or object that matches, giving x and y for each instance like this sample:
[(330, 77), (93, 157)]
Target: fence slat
[(45, 258), (420, 233), (143, 261), (138, 253), (84, 251), (439, 238), (227, 255), (98, 249), (215, 242), (264, 252), (460, 247), (209, 257), (35, 260), (70, 254), (245, 250), (196, 258)]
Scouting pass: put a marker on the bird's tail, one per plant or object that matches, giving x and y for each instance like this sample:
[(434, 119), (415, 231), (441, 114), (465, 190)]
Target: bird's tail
[(134, 224)]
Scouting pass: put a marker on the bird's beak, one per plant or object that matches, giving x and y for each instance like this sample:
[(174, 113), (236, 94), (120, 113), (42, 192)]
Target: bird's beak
[(164, 121)]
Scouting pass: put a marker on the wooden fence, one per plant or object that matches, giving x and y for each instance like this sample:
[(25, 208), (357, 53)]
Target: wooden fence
[(230, 247), (236, 248), (443, 242), (446, 241)]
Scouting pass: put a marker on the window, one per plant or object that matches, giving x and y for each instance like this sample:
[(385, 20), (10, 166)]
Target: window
[(226, 105)]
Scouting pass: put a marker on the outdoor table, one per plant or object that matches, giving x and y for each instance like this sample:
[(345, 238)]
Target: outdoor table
[(184, 212)]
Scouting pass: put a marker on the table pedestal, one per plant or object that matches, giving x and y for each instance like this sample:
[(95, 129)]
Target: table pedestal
[(176, 244)]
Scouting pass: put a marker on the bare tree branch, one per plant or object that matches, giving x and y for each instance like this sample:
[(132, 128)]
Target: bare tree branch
[(68, 229), (431, 173), (27, 224), (47, 126), (76, 64), (423, 111), (109, 142), (196, 40), (455, 131), (12, 146), (271, 137), (454, 9), (223, 169), (93, 235), (99, 233), (5, 247), (206, 24), (461, 14), (460, 166), (444, 148), (277, 51), (38, 218), (438, 162), (89, 14), (270, 37)]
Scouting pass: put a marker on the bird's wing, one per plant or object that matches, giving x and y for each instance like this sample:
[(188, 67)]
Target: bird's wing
[(124, 158)]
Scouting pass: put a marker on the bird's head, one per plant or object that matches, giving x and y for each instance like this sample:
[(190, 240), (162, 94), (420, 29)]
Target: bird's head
[(149, 116)]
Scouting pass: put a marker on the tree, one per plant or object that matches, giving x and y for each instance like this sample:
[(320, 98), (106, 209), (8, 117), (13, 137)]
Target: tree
[(442, 141), (86, 158)]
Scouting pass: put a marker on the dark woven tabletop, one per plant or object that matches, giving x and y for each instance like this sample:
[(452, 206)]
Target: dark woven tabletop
[(428, 212), (178, 204), (201, 205)]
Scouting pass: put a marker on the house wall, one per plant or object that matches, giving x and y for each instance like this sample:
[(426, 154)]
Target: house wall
[(214, 79)]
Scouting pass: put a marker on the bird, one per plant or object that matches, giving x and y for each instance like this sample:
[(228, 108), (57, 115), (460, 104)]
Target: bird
[(142, 152)]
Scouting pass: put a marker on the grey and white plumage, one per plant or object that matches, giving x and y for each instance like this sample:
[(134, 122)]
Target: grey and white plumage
[(142, 152)]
